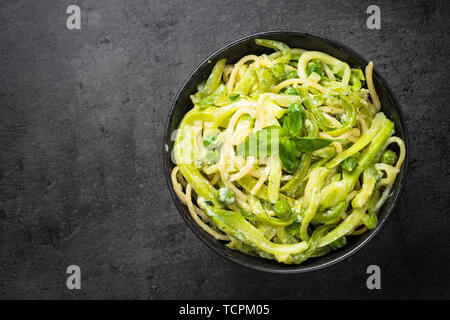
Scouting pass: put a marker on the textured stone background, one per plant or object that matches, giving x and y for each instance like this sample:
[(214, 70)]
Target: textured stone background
[(81, 125)]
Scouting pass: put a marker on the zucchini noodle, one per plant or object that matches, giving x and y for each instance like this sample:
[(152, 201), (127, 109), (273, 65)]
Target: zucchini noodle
[(285, 155)]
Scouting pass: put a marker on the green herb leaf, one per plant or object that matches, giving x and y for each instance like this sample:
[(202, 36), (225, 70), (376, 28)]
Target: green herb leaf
[(288, 154), (234, 96), (293, 120), (310, 144), (261, 143)]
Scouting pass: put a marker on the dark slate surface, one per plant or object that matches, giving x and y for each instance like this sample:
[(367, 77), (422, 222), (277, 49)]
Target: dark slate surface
[(82, 115)]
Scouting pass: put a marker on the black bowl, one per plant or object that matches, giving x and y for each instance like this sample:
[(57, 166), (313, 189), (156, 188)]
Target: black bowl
[(233, 52)]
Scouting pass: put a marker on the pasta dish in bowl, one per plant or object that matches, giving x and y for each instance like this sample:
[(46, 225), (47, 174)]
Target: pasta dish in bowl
[(285, 155)]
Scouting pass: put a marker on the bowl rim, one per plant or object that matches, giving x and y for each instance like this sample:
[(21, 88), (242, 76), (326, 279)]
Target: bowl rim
[(281, 269)]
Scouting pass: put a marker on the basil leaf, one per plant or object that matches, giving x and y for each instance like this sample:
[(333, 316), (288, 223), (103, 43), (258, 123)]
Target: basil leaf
[(288, 154), (293, 119), (261, 143), (234, 96), (310, 144)]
